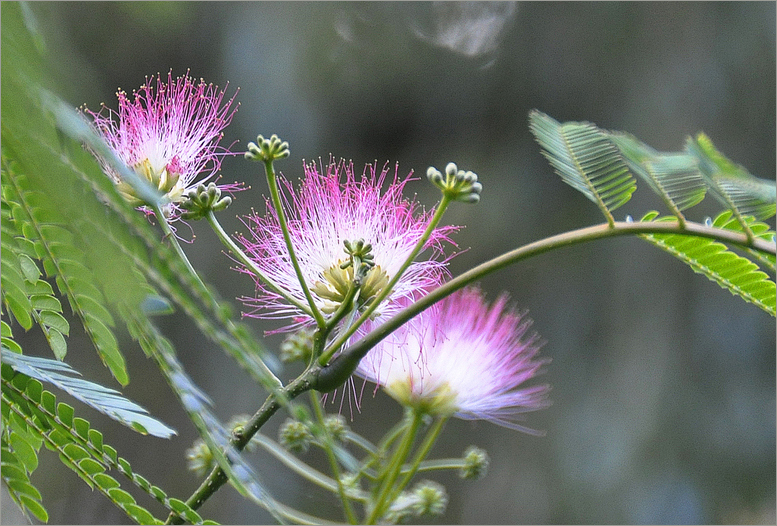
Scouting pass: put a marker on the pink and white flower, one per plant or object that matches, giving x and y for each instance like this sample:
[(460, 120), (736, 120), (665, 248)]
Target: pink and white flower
[(169, 134), (333, 206), (463, 358)]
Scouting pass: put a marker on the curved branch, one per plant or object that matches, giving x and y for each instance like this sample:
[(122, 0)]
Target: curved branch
[(351, 356)]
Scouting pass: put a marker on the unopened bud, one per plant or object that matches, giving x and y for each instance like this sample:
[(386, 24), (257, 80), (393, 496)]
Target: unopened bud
[(267, 149), (295, 436), (458, 185), (475, 463), (200, 200), (297, 347), (430, 498)]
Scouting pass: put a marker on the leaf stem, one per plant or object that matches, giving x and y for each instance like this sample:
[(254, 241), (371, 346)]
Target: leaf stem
[(217, 477), (327, 444), (394, 467)]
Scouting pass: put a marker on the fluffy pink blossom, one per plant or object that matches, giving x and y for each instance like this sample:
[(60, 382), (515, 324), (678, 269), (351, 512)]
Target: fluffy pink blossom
[(169, 134), (331, 206), (462, 358)]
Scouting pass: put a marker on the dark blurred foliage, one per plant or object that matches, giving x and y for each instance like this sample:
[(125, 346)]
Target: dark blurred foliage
[(664, 384)]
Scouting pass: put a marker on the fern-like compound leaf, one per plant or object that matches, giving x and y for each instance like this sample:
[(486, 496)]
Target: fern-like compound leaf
[(108, 401), (197, 405), (675, 177), (733, 272), (587, 159), (732, 184)]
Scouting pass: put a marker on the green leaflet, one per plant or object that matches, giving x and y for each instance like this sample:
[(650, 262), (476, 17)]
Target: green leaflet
[(735, 273), (586, 159), (33, 418), (732, 184), (105, 400), (675, 177), (600, 165)]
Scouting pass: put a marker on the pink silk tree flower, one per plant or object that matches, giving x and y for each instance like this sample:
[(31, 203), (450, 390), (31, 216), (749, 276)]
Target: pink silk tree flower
[(333, 206), (169, 134), (462, 358)]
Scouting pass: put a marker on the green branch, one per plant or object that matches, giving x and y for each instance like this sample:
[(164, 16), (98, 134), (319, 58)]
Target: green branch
[(350, 358)]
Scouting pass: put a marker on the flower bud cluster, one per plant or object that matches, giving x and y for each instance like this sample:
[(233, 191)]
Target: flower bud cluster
[(476, 462), (295, 436), (199, 457), (358, 250), (267, 150), (426, 499), (297, 347), (457, 184), (198, 201), (337, 427)]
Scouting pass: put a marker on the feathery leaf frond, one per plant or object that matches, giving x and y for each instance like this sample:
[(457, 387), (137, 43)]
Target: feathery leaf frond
[(675, 177), (735, 273), (108, 401), (586, 158)]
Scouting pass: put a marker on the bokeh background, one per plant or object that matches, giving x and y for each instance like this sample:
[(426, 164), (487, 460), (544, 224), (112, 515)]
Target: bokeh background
[(664, 384)]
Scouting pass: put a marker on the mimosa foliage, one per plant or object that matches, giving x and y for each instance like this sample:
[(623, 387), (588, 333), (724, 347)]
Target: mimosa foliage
[(602, 166), (64, 223), (32, 418)]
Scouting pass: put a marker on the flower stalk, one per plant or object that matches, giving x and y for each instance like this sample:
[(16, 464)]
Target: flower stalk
[(333, 347), (249, 263), (268, 151)]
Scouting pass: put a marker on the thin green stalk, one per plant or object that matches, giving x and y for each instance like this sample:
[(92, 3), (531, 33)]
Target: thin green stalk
[(582, 235), (303, 469), (170, 235), (330, 455), (360, 441), (266, 376), (272, 182), (342, 338), (394, 468), (423, 452), (217, 477), (244, 259), (298, 517), (440, 464)]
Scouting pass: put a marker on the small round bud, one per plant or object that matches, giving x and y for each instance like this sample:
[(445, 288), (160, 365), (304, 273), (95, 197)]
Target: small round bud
[(199, 458), (476, 462), (200, 200), (456, 184), (430, 499), (236, 424), (295, 436), (267, 149), (434, 175), (297, 347), (336, 426)]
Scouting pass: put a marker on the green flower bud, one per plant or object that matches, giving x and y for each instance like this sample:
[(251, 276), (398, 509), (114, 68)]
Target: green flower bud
[(456, 184), (429, 498), (267, 150), (199, 458), (337, 427), (297, 347), (295, 436), (200, 200), (475, 463)]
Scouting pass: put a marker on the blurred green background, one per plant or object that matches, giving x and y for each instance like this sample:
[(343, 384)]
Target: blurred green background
[(664, 384)]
